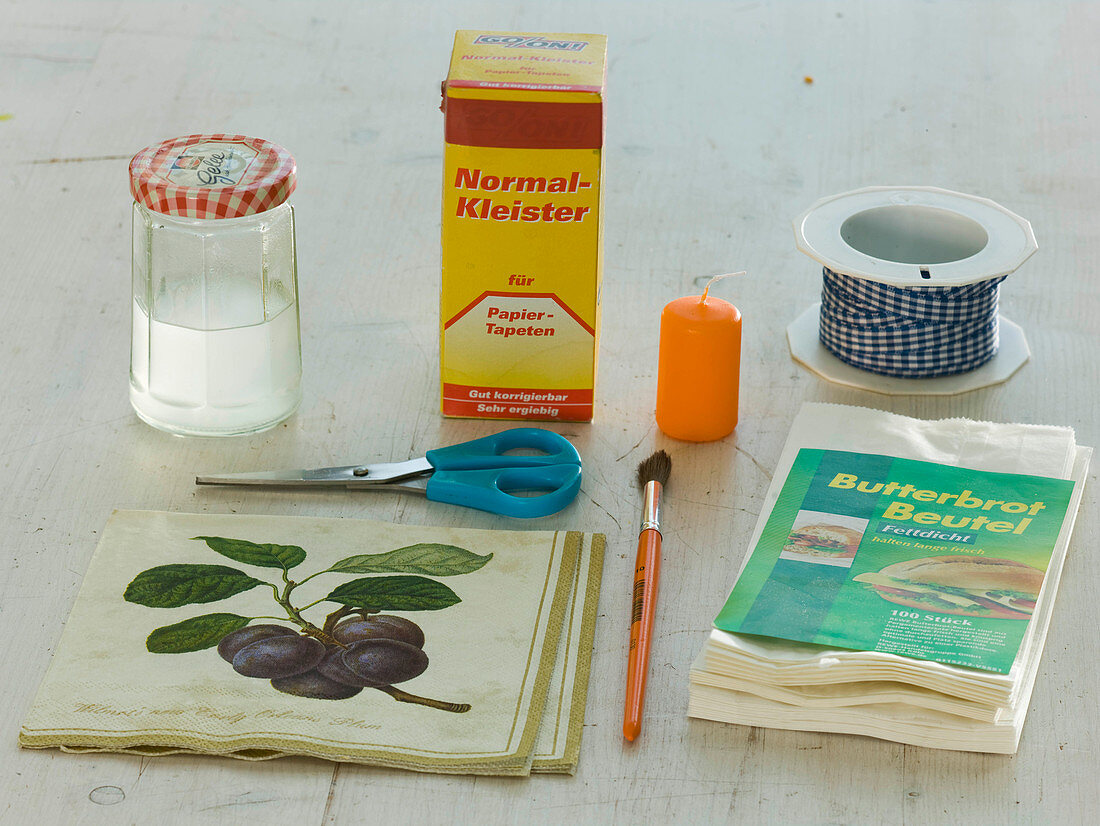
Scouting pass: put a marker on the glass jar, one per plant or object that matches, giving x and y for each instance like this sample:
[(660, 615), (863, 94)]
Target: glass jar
[(215, 345)]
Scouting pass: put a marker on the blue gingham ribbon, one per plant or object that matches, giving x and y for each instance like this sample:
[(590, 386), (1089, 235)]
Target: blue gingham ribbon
[(909, 332)]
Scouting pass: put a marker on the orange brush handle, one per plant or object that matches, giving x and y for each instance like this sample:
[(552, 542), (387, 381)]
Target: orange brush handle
[(647, 571)]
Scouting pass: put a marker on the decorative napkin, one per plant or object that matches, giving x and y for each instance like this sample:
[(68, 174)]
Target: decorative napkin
[(255, 637), (559, 742)]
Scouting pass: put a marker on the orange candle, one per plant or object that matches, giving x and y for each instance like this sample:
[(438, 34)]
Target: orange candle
[(699, 368)]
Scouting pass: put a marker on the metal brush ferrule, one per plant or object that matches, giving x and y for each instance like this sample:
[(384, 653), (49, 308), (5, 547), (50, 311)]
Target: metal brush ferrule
[(651, 507)]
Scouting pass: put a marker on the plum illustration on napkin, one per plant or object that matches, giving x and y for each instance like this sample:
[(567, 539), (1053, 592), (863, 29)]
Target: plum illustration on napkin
[(356, 646)]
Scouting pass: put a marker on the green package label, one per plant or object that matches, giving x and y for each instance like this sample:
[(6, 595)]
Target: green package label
[(877, 553)]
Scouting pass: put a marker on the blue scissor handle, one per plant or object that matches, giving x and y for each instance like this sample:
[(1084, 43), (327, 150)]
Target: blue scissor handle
[(487, 490), (489, 451)]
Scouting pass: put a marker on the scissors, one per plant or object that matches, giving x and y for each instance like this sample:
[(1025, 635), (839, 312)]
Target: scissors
[(477, 474)]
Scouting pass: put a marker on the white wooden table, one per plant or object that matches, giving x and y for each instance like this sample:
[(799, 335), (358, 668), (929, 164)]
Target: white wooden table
[(714, 141)]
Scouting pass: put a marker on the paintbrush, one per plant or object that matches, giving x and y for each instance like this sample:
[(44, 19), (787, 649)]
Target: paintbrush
[(652, 476)]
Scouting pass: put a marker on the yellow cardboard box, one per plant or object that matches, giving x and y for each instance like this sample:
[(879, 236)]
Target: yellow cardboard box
[(521, 229)]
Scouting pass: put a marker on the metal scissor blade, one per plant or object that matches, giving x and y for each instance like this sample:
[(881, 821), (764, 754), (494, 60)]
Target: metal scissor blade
[(368, 476), (325, 477), (350, 476)]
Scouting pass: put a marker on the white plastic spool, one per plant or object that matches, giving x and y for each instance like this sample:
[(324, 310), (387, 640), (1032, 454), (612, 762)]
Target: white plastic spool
[(912, 236)]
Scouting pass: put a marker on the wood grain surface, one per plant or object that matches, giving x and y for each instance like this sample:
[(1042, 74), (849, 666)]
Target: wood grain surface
[(715, 140)]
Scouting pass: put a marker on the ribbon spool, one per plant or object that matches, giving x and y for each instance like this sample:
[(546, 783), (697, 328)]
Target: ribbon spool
[(911, 278)]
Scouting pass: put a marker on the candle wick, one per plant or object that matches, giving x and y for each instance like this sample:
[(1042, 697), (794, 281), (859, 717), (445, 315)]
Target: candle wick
[(706, 290)]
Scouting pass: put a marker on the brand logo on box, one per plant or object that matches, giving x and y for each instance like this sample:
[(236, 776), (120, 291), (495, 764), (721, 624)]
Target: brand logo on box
[(520, 41)]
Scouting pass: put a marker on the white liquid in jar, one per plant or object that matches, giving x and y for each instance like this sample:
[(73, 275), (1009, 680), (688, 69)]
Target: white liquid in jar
[(242, 378)]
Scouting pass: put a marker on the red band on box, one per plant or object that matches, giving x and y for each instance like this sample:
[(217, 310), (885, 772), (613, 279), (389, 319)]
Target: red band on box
[(517, 403), (518, 124)]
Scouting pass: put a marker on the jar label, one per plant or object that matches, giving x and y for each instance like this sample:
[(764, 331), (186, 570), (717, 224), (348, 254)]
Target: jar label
[(215, 163)]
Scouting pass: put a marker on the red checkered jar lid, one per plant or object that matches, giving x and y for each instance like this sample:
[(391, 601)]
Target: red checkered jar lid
[(212, 176)]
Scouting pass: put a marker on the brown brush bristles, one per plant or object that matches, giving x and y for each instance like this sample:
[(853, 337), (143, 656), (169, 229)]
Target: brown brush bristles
[(655, 469)]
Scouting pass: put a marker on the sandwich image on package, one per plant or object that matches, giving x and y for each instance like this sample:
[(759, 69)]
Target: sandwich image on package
[(824, 541), (966, 585)]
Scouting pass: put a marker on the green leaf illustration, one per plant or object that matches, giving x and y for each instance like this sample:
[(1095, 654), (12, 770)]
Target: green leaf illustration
[(250, 553), (193, 634), (170, 586), (425, 558), (394, 593)]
